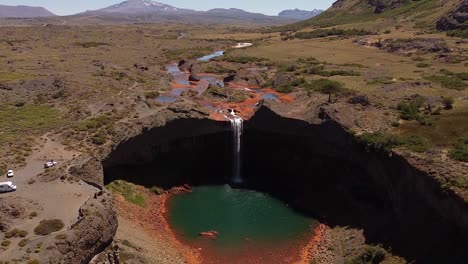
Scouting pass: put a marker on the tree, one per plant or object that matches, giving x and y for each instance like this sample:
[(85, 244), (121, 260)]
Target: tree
[(331, 87)]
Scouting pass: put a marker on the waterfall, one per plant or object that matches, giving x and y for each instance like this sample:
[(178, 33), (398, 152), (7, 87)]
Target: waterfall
[(237, 124)]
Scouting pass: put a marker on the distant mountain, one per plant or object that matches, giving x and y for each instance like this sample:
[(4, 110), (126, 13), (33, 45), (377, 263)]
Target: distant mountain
[(299, 14), (24, 11), (148, 11), (140, 7)]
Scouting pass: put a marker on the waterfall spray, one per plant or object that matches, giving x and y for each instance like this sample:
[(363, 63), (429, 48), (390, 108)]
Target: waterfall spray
[(237, 124)]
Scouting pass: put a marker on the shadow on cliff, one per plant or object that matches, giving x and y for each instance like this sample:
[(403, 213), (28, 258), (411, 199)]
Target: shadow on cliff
[(319, 169)]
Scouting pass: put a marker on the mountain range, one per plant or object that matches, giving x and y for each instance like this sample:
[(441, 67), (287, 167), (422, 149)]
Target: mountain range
[(148, 11)]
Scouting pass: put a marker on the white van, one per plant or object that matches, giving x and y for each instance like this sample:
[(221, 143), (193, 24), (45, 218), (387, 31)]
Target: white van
[(7, 187)]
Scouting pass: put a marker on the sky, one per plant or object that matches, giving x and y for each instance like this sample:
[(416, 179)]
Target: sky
[(270, 7)]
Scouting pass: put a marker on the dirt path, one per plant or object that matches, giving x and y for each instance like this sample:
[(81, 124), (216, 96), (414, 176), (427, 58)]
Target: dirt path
[(49, 200)]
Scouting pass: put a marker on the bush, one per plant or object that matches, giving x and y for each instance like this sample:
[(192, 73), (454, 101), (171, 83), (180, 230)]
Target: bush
[(6, 243), (23, 242), (416, 144), (379, 141), (450, 80), (409, 110), (157, 190), (23, 233), (448, 102), (46, 227), (287, 88), (460, 150), (422, 65)]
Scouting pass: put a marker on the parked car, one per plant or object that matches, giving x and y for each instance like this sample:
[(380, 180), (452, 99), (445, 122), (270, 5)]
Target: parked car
[(50, 164), (10, 173), (7, 187)]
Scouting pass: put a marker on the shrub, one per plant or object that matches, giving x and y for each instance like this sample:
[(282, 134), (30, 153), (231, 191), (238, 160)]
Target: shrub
[(450, 80), (286, 88), (33, 261), (6, 243), (99, 139), (128, 191), (47, 227), (157, 190), (448, 102), (422, 65), (409, 110), (460, 150), (23, 242), (379, 141), (23, 233), (416, 143)]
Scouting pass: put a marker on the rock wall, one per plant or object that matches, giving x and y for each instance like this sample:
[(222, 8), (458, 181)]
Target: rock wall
[(321, 169), (430, 222)]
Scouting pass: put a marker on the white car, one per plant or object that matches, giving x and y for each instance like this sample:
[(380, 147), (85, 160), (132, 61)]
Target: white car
[(50, 164), (10, 174), (7, 187)]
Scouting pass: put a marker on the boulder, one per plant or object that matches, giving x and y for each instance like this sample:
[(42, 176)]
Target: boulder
[(210, 234)]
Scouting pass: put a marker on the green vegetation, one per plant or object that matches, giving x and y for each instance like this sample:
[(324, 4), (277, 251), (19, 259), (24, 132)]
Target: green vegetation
[(27, 119), (321, 33), (325, 86), (157, 190), (6, 243), (91, 44), (386, 142), (129, 191), (15, 76), (450, 80), (16, 233), (460, 150), (23, 242), (244, 59), (94, 123), (47, 227), (458, 33)]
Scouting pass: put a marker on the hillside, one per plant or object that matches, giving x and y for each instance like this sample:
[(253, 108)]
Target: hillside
[(24, 11), (381, 13)]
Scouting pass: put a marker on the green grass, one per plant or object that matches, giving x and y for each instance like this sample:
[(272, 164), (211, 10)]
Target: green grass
[(444, 132), (18, 121), (129, 191), (322, 33), (450, 80), (386, 142), (460, 150), (15, 76)]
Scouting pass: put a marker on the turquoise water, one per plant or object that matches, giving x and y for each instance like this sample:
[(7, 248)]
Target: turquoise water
[(239, 216)]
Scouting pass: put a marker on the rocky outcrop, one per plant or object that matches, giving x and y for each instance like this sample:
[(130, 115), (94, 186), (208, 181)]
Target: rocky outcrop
[(89, 236), (457, 19), (381, 5)]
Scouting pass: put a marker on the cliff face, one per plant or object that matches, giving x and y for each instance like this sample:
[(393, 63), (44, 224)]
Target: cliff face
[(314, 165)]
